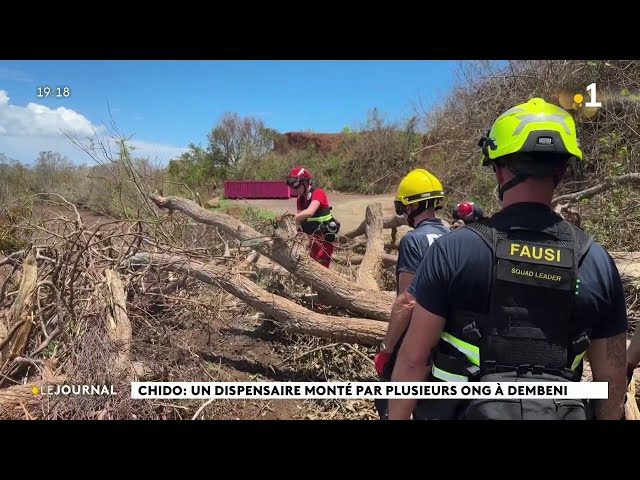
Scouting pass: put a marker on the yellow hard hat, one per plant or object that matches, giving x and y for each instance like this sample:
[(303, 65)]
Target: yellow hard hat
[(416, 186)]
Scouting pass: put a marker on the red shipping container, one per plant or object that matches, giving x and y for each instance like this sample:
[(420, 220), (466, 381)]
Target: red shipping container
[(256, 189)]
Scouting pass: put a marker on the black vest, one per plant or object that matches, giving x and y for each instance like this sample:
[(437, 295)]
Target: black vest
[(313, 225), (529, 328)]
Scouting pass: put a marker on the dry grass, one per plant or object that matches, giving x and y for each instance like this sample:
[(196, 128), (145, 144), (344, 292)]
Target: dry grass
[(320, 360)]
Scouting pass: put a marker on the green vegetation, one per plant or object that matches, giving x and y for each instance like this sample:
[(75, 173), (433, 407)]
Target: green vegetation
[(243, 148), (245, 211), (372, 157)]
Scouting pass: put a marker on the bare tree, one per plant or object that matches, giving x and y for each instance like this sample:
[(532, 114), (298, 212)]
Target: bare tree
[(238, 139)]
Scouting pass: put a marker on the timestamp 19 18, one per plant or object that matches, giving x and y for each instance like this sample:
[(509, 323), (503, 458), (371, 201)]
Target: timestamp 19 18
[(59, 92)]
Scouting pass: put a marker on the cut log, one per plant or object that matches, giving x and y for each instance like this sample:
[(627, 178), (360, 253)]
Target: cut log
[(369, 270), (293, 317), (337, 290)]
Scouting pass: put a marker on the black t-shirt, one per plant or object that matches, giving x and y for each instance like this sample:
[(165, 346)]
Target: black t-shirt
[(455, 273), (415, 243)]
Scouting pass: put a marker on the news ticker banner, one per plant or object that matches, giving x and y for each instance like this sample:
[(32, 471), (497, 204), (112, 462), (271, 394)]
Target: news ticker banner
[(368, 390)]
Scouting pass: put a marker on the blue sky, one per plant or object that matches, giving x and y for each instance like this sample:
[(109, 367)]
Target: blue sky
[(166, 105)]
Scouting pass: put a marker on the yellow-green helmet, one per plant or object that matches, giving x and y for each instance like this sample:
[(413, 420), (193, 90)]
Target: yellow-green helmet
[(533, 127)]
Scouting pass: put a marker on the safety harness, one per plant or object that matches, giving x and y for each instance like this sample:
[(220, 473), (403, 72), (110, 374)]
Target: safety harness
[(322, 223), (529, 328)]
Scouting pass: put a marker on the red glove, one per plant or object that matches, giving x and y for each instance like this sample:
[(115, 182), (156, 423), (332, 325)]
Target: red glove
[(381, 360)]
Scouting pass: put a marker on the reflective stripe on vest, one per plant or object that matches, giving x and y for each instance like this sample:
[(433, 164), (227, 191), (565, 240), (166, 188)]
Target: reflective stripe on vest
[(470, 351), (447, 376), (323, 218)]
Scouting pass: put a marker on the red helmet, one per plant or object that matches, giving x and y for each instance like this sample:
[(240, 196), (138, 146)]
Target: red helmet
[(467, 212), (463, 209), (299, 172), (296, 175)]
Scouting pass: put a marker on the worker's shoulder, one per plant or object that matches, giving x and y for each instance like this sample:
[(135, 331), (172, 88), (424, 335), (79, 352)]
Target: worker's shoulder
[(460, 236), (426, 232), (430, 226), (592, 253), (413, 236), (597, 257), (462, 247)]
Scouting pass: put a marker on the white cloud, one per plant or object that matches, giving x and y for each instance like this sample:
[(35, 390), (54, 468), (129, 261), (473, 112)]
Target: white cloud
[(40, 120), (26, 131)]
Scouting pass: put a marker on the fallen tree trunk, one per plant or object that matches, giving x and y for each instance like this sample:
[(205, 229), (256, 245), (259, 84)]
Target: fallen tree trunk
[(387, 246), (19, 397), (393, 221), (388, 260), (336, 289), (293, 317), (369, 270)]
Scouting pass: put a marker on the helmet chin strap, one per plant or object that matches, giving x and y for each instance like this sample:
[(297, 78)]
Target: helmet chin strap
[(520, 177), (411, 217)]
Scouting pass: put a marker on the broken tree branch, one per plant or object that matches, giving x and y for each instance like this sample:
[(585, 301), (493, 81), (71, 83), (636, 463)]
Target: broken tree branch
[(251, 258), (118, 324), (369, 270), (15, 333), (293, 317), (336, 289), (629, 178)]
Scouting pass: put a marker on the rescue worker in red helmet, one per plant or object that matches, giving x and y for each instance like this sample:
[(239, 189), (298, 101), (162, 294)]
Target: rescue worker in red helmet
[(314, 215), (467, 212)]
